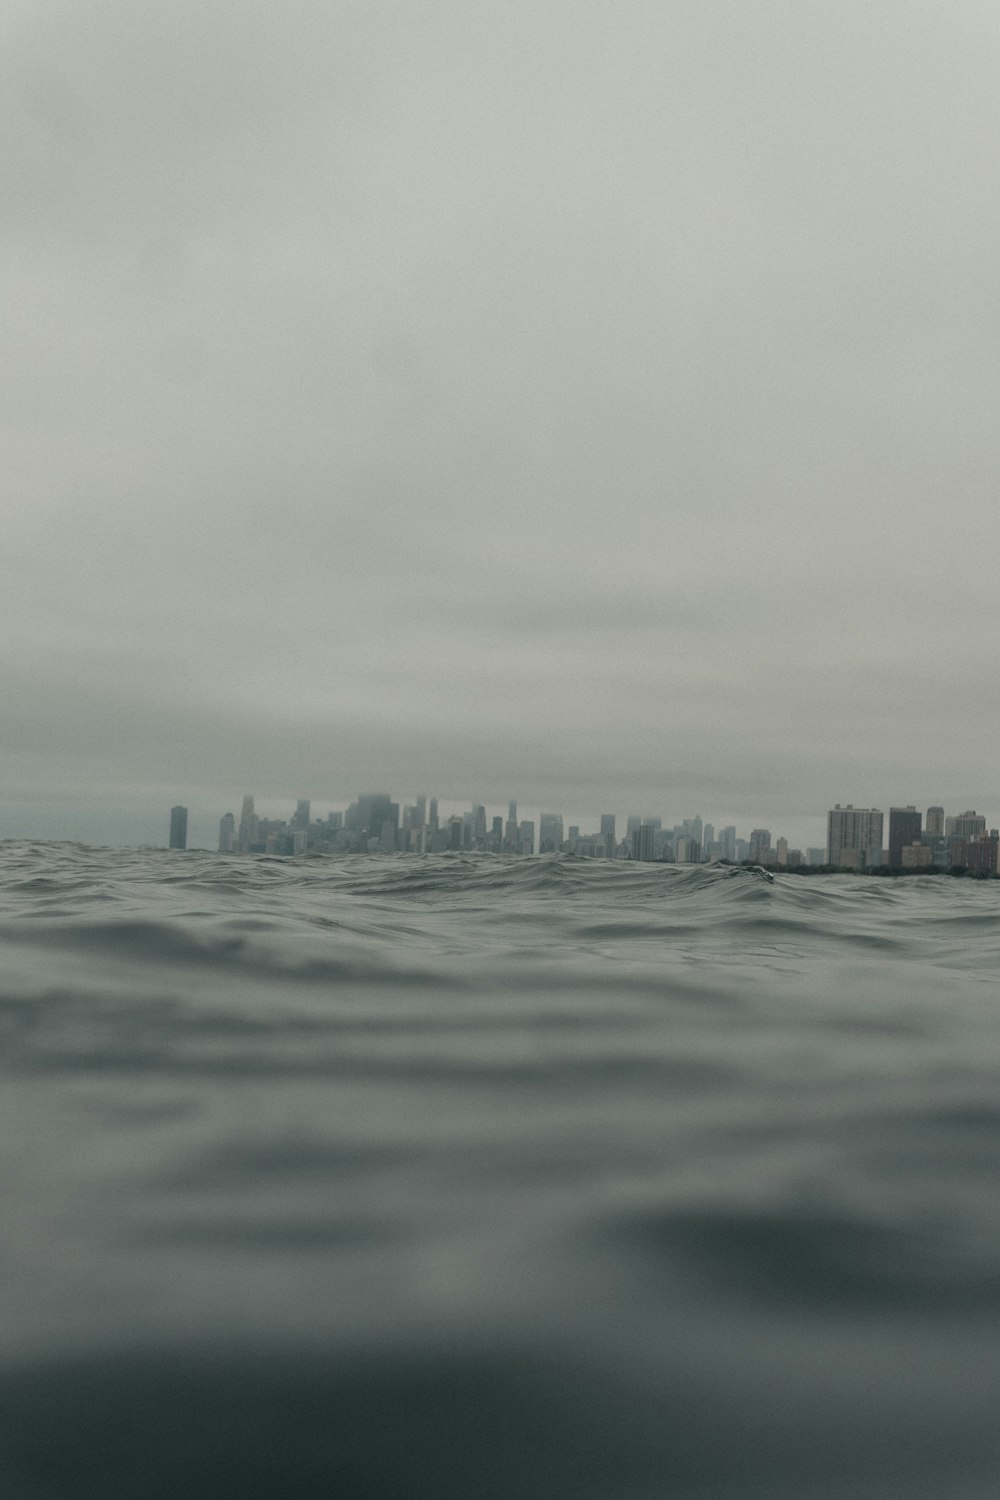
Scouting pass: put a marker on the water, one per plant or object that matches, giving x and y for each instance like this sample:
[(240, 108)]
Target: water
[(475, 1179)]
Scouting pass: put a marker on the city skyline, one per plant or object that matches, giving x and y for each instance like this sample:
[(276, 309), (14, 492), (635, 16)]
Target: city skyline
[(376, 823), (143, 825)]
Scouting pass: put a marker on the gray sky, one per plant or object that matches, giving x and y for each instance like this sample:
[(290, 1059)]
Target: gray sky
[(594, 403)]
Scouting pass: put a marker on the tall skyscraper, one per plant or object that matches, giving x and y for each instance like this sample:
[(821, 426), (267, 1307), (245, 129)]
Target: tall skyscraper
[(511, 836), (904, 828), (370, 814), (853, 836), (550, 833), (248, 825), (966, 825), (227, 834), (934, 822), (644, 841), (178, 827), (608, 834), (760, 846)]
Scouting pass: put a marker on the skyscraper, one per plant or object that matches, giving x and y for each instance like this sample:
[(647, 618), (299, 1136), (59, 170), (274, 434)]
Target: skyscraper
[(760, 846), (904, 828), (550, 833), (934, 822), (227, 834), (853, 836), (511, 837), (966, 825), (178, 827), (370, 814), (644, 841), (608, 834), (248, 825)]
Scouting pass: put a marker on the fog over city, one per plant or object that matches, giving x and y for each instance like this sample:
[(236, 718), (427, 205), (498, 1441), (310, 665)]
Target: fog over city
[(592, 404)]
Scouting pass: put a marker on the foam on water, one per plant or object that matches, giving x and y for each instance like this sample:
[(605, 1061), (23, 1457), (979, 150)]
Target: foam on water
[(457, 1176)]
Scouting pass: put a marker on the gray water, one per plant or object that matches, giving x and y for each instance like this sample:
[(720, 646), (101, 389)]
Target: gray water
[(474, 1179)]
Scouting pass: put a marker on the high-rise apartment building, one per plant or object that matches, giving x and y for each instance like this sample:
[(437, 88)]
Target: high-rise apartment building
[(904, 829), (979, 854), (934, 822), (854, 836), (760, 846), (550, 833), (248, 825), (608, 834), (178, 827), (966, 825), (644, 841), (370, 814), (227, 834)]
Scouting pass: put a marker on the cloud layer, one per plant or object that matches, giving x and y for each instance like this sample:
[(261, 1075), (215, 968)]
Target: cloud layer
[(590, 403)]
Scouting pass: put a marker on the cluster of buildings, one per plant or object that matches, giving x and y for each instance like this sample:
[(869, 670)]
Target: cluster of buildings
[(932, 841), (377, 824), (856, 836)]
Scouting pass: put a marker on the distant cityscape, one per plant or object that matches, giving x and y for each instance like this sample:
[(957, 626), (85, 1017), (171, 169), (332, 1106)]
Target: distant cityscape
[(375, 824)]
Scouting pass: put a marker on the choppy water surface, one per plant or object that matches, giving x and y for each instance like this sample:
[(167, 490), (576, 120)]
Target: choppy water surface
[(475, 1179)]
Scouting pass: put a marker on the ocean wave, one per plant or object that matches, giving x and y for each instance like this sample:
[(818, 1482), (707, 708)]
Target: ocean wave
[(465, 1176)]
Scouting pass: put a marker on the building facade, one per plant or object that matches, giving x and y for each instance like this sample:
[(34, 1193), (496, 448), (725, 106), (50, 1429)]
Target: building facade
[(904, 828), (178, 827), (854, 836)]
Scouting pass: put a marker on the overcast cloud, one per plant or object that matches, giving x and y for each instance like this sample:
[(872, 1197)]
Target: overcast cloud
[(594, 403)]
